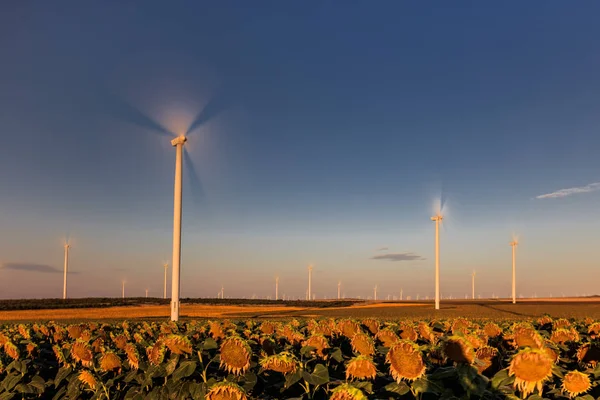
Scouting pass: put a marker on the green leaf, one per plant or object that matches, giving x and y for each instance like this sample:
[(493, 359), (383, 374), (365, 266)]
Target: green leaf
[(250, 380), (398, 388), (171, 364), (185, 369), (501, 378), (24, 388), (209, 344), (306, 351), (290, 379), (11, 381), (422, 385), (7, 396), (62, 373), (38, 383), (320, 375), (337, 355), (366, 386)]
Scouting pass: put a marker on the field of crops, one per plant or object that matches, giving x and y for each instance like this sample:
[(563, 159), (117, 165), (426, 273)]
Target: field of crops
[(340, 359)]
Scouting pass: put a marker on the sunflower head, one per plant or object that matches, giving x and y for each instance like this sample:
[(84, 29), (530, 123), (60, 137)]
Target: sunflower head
[(575, 383), (594, 329), (283, 362), (348, 328), (561, 323), (589, 354), (267, 328), (24, 331), (156, 353), (133, 358), (88, 379), (347, 392), (387, 337), (486, 358), (372, 325), (178, 344), (119, 340), (545, 320), (526, 336), (74, 331), (11, 350), (363, 344), (226, 391), (319, 342), (235, 355), (426, 333), (564, 335), (460, 325), (406, 361), (361, 367), (60, 356), (531, 368), (82, 352), (408, 332), (459, 349), (109, 362), (216, 330), (31, 349)]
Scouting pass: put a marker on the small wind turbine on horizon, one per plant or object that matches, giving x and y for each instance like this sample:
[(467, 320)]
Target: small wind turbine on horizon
[(514, 245), (375, 293), (310, 296), (66, 269), (276, 288), (473, 285), (339, 287), (166, 267), (146, 293), (123, 289)]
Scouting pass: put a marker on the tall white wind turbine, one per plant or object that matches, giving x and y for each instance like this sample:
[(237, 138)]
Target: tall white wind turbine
[(276, 288), (66, 269), (473, 285), (339, 287), (123, 289), (514, 244), (175, 280), (437, 218), (375, 293), (166, 267)]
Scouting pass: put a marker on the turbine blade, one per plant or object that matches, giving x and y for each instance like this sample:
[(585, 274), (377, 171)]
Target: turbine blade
[(215, 106), (196, 188)]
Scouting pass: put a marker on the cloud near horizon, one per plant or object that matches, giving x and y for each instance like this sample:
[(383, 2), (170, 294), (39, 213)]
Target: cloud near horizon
[(398, 257), (30, 267), (592, 187), (382, 249)]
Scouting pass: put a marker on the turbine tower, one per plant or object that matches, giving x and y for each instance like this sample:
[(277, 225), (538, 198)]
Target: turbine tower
[(401, 298), (375, 293), (178, 144), (310, 268), (66, 269), (514, 244), (146, 293), (166, 267), (276, 288), (123, 289), (438, 218), (339, 287), (473, 285)]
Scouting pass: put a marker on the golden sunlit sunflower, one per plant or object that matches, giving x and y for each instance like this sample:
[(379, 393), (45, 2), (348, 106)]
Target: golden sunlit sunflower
[(460, 325), (561, 324), (31, 349), (11, 350), (82, 352), (426, 333), (178, 344), (531, 368), (564, 335), (60, 356), (589, 354), (156, 353), (319, 342), (486, 357), (267, 328), (133, 358), (372, 325), (406, 361), (226, 391), (545, 320), (24, 331), (361, 367), (387, 337), (526, 336), (235, 355), (110, 361), (283, 362), (348, 328), (74, 331), (408, 332), (119, 340), (363, 344), (347, 392), (87, 378), (576, 383)]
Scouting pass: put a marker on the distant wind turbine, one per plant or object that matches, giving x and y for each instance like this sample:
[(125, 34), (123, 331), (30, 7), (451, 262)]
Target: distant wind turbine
[(276, 288), (339, 287), (473, 285), (66, 268), (375, 293), (310, 294), (123, 290), (146, 293), (514, 244), (401, 298)]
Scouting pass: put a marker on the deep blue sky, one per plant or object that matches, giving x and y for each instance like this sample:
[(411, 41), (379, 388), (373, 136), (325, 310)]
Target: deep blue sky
[(336, 126)]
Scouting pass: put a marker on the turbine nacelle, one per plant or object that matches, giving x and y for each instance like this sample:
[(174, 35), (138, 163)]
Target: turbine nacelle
[(178, 140), (513, 243), (437, 218)]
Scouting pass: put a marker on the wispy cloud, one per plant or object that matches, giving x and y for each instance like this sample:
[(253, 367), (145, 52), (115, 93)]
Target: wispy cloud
[(47, 269), (382, 249), (398, 257), (592, 187)]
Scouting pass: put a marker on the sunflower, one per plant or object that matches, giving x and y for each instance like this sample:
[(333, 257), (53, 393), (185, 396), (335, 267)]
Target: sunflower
[(348, 328), (110, 361), (561, 324), (361, 367), (81, 352), (133, 358), (545, 320), (406, 361), (426, 333), (460, 325), (178, 344), (526, 336), (98, 345), (226, 391), (319, 342), (594, 329), (119, 340), (11, 350), (267, 328), (551, 350), (576, 383), (363, 344), (563, 335), (292, 335), (31, 349), (216, 331), (74, 331), (156, 353), (283, 362), (60, 356), (86, 377), (347, 392), (589, 354), (486, 357), (372, 325), (235, 355), (408, 332), (531, 367), (24, 331), (459, 349), (387, 337)]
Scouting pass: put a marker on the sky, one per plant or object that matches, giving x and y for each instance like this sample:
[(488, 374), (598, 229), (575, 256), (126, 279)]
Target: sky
[(320, 132)]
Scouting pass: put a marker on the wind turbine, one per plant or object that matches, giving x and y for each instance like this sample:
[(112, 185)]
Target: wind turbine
[(437, 218), (401, 298), (473, 285), (222, 292), (339, 287), (514, 244), (276, 288), (67, 246), (375, 293), (123, 289), (166, 267), (310, 268), (146, 293)]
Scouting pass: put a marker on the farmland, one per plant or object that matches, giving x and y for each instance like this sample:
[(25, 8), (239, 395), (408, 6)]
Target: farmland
[(360, 358)]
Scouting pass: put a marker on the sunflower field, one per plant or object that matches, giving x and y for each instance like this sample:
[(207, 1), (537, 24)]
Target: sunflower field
[(315, 359)]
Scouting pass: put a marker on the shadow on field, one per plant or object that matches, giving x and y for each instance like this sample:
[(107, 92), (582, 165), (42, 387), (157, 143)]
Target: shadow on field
[(491, 307)]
